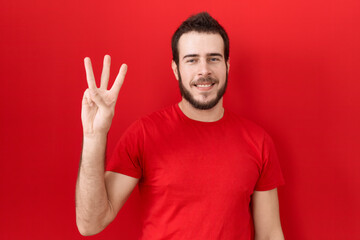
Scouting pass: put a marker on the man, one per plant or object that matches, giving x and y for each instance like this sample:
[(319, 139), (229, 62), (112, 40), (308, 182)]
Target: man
[(203, 172)]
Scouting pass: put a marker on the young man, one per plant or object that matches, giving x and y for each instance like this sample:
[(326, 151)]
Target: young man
[(203, 172)]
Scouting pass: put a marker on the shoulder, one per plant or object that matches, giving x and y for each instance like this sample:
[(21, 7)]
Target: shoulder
[(252, 133), (245, 125), (148, 123), (158, 118), (162, 114)]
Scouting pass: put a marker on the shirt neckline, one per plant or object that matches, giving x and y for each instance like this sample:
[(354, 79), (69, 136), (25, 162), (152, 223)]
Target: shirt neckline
[(186, 118)]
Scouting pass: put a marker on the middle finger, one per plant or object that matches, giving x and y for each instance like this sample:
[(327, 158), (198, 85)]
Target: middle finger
[(105, 74)]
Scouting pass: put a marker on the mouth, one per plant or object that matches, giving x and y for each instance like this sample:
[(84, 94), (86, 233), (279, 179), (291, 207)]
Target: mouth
[(204, 86), (205, 83)]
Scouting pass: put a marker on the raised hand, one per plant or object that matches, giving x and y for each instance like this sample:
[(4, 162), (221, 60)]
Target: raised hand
[(98, 104)]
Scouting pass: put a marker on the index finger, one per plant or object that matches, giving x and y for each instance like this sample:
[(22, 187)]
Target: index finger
[(89, 73)]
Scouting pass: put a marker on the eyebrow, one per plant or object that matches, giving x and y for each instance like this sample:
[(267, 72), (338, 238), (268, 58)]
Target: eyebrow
[(197, 55)]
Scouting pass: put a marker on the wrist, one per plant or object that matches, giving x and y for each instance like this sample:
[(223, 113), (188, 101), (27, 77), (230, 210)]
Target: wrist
[(94, 139), (94, 135), (94, 145)]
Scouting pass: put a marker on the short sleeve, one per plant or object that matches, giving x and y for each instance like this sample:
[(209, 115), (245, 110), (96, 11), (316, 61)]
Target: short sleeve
[(271, 174), (127, 156)]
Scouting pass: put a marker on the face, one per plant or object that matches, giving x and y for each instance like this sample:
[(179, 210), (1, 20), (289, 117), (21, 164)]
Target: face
[(202, 70)]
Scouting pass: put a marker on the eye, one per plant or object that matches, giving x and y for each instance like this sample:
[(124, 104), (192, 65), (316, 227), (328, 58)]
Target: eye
[(214, 59), (191, 60)]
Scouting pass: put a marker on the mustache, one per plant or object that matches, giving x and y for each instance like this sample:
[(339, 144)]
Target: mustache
[(203, 80)]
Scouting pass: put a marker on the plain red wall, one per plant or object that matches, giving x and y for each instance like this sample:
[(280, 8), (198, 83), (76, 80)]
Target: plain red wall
[(294, 70)]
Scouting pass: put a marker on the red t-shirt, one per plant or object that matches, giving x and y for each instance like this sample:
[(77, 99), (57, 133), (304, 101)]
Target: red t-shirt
[(197, 178)]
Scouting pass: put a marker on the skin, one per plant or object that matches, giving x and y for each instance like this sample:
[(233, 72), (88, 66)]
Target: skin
[(201, 55), (266, 215), (100, 195)]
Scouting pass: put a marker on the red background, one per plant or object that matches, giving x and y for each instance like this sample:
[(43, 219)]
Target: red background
[(295, 69)]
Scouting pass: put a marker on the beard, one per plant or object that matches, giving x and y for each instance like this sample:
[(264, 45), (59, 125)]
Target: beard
[(198, 104)]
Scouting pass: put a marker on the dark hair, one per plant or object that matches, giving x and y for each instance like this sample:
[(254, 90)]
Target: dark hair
[(202, 23)]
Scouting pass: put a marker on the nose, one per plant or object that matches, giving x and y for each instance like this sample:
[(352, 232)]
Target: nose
[(204, 69)]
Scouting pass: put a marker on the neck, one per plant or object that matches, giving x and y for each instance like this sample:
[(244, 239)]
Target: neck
[(209, 115)]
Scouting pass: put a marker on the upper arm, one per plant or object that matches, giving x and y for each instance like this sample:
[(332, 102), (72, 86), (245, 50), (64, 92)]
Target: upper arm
[(266, 215), (119, 188)]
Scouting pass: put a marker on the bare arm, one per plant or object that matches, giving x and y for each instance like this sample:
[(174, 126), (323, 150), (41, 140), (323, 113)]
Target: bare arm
[(266, 215), (99, 195)]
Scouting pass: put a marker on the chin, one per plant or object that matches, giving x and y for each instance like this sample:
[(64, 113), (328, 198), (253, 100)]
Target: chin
[(204, 105)]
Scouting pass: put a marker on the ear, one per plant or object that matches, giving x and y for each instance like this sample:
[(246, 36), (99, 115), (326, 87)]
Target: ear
[(228, 65), (175, 70)]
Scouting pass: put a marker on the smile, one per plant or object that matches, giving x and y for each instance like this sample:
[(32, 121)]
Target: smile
[(204, 85)]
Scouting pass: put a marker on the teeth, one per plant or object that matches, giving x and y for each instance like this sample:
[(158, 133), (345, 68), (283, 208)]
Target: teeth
[(204, 85)]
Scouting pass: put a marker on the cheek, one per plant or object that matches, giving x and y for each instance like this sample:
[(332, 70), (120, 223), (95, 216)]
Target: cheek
[(222, 73), (186, 76)]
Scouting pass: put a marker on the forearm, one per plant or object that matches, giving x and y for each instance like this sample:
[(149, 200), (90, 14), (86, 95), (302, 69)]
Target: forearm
[(92, 206), (276, 235), (271, 238)]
